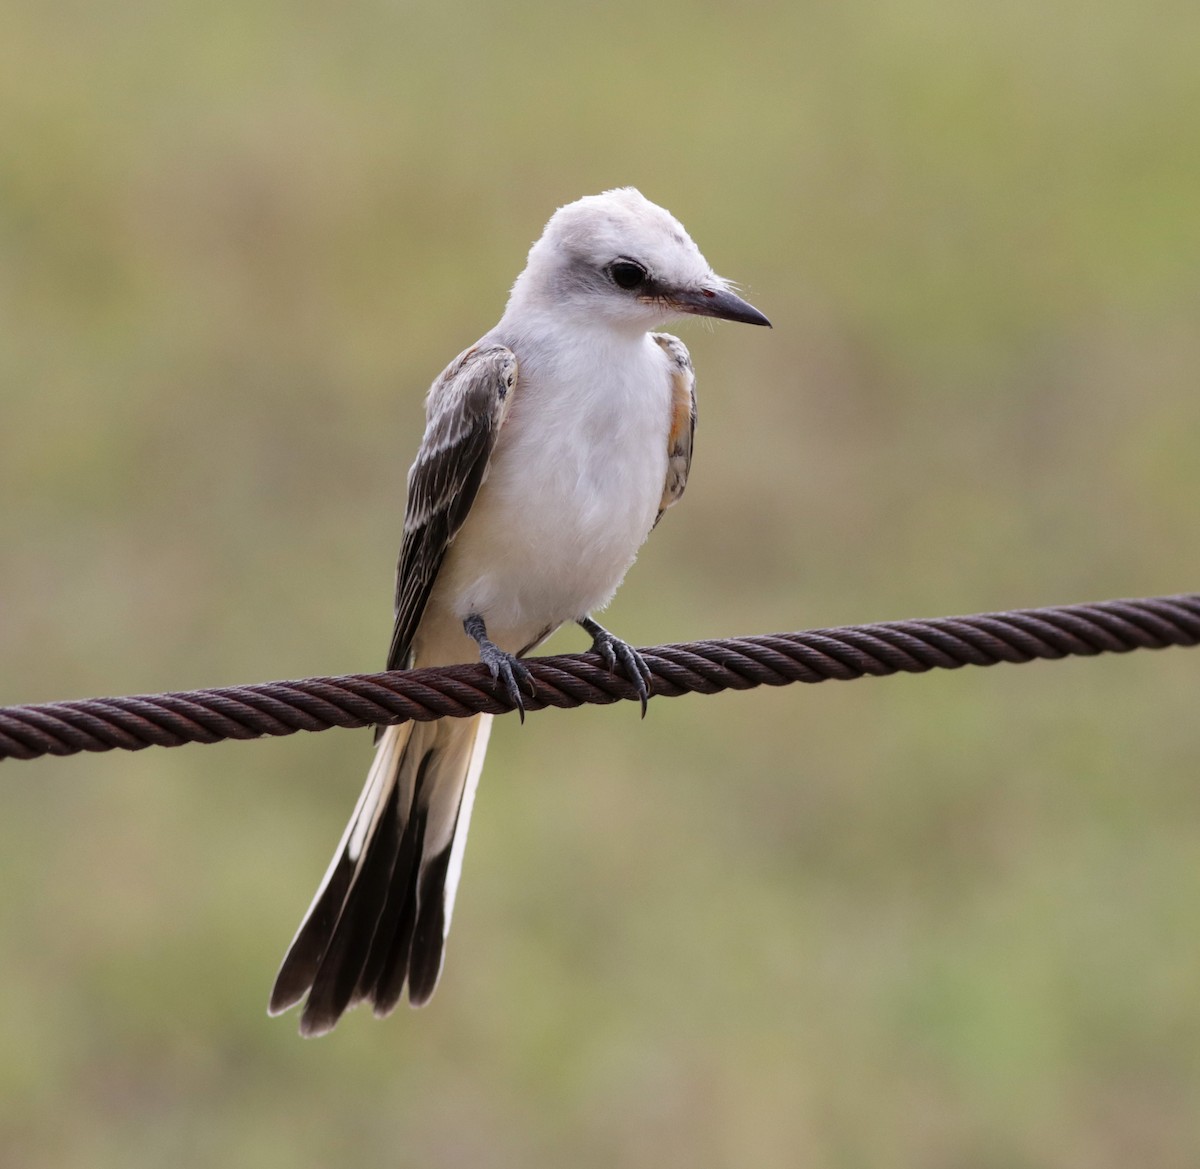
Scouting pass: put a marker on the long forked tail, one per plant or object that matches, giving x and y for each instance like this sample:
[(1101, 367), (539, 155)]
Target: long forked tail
[(381, 915)]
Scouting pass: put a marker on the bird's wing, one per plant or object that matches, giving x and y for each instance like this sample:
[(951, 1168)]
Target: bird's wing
[(467, 406), (683, 419)]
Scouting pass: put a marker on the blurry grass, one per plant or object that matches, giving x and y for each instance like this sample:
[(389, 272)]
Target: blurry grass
[(936, 921)]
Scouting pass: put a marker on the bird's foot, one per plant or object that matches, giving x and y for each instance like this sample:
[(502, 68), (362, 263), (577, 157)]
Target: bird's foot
[(510, 671), (613, 652)]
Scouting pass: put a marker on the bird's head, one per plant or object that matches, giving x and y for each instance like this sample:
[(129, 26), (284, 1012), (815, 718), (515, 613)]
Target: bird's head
[(620, 259)]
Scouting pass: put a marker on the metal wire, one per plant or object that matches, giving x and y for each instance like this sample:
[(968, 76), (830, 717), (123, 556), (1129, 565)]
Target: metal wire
[(569, 680)]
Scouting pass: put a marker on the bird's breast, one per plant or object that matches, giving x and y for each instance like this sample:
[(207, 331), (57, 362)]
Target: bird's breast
[(572, 491)]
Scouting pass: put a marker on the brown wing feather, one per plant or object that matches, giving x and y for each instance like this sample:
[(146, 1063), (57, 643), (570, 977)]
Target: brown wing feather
[(683, 420), (466, 407)]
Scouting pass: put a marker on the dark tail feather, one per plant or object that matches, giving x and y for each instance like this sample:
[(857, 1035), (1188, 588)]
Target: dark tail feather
[(304, 956), (392, 943), (387, 967), (341, 964), (429, 937), (380, 917)]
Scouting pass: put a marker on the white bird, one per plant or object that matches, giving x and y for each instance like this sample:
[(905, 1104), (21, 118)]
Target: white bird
[(552, 447)]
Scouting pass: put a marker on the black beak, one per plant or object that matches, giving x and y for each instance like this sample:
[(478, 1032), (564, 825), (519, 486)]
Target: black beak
[(717, 302)]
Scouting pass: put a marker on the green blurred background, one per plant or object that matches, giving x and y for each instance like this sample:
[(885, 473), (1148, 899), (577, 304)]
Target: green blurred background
[(942, 921)]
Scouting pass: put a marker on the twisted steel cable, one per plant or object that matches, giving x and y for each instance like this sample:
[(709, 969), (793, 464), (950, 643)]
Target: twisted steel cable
[(569, 680)]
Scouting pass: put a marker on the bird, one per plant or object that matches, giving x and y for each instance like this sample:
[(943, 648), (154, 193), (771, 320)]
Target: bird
[(552, 447)]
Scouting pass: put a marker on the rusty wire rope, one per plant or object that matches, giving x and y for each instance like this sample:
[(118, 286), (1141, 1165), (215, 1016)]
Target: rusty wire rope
[(569, 680)]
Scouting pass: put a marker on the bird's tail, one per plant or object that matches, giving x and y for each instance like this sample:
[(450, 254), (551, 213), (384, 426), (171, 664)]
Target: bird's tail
[(382, 912)]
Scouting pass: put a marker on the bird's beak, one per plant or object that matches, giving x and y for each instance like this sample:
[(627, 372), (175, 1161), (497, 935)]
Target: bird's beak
[(717, 302)]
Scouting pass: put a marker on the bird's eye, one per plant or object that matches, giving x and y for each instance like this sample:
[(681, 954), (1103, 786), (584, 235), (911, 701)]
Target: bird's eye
[(627, 274)]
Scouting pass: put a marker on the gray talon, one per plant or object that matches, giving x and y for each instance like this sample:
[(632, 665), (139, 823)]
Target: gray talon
[(612, 650), (606, 651), (509, 671)]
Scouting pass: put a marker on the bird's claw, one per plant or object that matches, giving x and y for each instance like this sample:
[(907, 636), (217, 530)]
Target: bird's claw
[(511, 673), (613, 652), (504, 667)]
